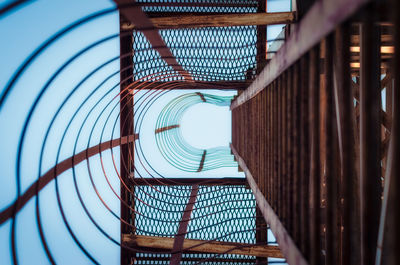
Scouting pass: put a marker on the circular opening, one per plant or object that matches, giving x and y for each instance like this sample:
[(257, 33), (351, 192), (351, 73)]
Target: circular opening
[(206, 126)]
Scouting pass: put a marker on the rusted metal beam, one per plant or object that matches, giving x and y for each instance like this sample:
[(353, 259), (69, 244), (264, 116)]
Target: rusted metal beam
[(261, 234), (370, 103), (59, 169), (296, 152), (126, 128), (385, 118), (203, 158), (384, 250), (290, 152), (261, 39), (286, 244), (201, 96), (204, 246), (330, 157), (166, 128), (142, 23), (391, 238), (314, 119), (180, 235), (305, 155), (327, 14), (344, 108)]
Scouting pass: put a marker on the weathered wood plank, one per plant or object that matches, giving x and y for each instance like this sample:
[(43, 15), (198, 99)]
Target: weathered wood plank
[(217, 247), (225, 20)]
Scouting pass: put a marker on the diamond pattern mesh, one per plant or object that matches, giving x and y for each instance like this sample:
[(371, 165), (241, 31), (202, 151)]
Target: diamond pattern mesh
[(209, 54), (223, 213)]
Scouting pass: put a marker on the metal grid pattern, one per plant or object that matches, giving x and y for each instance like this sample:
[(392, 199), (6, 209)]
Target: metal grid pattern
[(209, 54), (226, 6), (227, 207), (161, 209), (222, 213), (192, 259), (232, 210)]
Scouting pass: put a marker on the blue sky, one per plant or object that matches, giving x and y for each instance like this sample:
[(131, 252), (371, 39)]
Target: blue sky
[(22, 32)]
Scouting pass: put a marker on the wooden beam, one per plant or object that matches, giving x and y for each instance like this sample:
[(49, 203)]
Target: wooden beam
[(327, 14), (137, 17), (226, 20), (203, 246), (286, 243)]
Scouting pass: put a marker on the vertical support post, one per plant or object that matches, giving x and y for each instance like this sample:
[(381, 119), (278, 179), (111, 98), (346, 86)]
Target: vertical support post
[(370, 169), (392, 239), (395, 172), (344, 109), (275, 125), (315, 224), (126, 128), (278, 176), (289, 147), (261, 39), (305, 156), (284, 155), (296, 153), (330, 159)]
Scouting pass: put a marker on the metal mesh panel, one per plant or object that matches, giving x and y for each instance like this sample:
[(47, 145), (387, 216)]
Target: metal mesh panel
[(223, 213), (160, 209), (209, 54), (192, 259), (234, 208), (223, 6)]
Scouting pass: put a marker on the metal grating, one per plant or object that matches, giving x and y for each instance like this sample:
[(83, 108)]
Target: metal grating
[(209, 54), (222, 213), (213, 6)]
